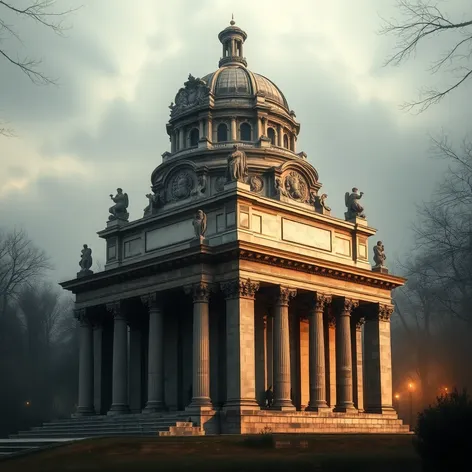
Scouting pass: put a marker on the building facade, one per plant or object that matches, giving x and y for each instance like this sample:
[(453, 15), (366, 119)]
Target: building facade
[(237, 278)]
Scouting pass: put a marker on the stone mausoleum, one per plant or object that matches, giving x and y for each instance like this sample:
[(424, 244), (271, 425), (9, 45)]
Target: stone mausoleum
[(237, 278)]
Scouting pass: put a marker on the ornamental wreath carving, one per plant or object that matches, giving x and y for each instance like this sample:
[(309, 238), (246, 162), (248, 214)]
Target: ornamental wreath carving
[(181, 185), (194, 92), (256, 183), (296, 187)]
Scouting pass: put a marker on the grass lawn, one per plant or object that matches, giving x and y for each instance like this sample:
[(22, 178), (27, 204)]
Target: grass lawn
[(366, 453)]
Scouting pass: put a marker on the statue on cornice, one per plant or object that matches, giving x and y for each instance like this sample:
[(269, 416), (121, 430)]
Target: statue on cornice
[(155, 202), (85, 259), (236, 169), (200, 224), (379, 255), (118, 210), (354, 208)]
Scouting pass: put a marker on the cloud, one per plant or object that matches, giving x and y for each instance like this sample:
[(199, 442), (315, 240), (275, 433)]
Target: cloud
[(120, 67)]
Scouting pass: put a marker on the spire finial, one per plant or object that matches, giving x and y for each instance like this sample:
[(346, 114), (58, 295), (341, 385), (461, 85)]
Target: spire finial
[(232, 22)]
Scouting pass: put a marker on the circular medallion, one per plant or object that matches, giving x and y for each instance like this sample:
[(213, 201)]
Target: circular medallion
[(181, 186), (296, 186), (256, 183)]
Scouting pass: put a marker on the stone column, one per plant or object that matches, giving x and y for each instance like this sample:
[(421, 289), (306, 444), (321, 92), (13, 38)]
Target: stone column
[(344, 390), (270, 350), (201, 347), (330, 357), (97, 366), (85, 401), (181, 139), (120, 360), (378, 360), (209, 129), (280, 136), (357, 362), (282, 379), (317, 353), (134, 371), (234, 135), (240, 344), (155, 400), (201, 128), (260, 354)]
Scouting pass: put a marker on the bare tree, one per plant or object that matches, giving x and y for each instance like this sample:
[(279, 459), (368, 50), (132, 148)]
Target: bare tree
[(21, 262), (421, 21), (42, 12)]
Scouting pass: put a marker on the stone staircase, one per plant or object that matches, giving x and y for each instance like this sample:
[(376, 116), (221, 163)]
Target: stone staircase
[(97, 426)]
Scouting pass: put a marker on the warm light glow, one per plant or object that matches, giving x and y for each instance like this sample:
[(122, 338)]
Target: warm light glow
[(445, 388), (397, 396), (27, 403), (411, 386)]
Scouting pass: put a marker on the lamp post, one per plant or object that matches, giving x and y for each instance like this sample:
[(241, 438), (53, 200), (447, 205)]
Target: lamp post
[(410, 395), (397, 402)]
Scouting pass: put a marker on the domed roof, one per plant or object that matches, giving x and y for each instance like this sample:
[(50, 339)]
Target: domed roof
[(237, 80)]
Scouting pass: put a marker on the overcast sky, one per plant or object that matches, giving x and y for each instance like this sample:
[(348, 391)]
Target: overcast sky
[(119, 68)]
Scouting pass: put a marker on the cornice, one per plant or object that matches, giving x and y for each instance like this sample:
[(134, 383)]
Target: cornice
[(233, 251)]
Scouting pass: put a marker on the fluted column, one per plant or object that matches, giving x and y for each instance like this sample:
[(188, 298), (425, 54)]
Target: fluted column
[(240, 344), (201, 128), (344, 355), (134, 368), (120, 360), (97, 366), (378, 360), (357, 362), (317, 361), (330, 357), (85, 401), (155, 401), (181, 139), (282, 378), (201, 346)]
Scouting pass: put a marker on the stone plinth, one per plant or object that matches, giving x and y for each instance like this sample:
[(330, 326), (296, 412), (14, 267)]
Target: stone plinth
[(380, 269), (237, 185), (84, 273)]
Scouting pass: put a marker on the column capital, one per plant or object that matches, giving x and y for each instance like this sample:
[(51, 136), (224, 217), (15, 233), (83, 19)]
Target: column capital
[(200, 292), (150, 300), (359, 322), (285, 294), (383, 312), (240, 288), (80, 314), (346, 306), (320, 301), (116, 309)]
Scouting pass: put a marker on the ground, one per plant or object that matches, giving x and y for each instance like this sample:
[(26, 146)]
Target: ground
[(264, 452)]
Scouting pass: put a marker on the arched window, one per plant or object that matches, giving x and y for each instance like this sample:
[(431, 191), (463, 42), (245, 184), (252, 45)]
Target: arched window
[(194, 137), (285, 141), (245, 131), (271, 135), (222, 132)]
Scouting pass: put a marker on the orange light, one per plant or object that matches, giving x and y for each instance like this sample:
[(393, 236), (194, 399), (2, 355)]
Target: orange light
[(445, 388), (411, 386), (397, 396)]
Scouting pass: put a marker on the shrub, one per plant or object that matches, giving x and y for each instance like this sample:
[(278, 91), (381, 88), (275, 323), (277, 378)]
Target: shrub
[(444, 432)]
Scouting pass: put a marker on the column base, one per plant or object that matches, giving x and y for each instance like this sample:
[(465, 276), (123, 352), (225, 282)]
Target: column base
[(383, 410), (155, 407), (83, 411), (118, 409), (346, 408), (283, 405), (317, 406), (198, 402), (242, 404)]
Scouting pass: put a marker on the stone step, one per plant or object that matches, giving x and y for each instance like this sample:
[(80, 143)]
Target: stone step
[(114, 420), (106, 425), (80, 435)]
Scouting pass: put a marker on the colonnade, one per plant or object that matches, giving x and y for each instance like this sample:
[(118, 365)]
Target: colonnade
[(341, 361)]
